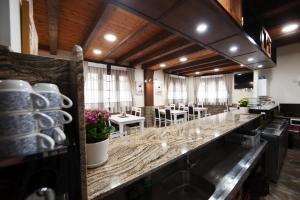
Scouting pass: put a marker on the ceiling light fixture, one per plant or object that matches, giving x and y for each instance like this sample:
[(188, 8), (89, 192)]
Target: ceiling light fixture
[(162, 65), (97, 51), (242, 65), (201, 28), (233, 48), (289, 28), (250, 59), (197, 73), (110, 37), (251, 40), (216, 70), (239, 74), (259, 66), (183, 59)]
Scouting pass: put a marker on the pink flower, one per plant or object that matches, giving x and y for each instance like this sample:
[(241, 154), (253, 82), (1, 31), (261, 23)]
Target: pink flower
[(93, 116)]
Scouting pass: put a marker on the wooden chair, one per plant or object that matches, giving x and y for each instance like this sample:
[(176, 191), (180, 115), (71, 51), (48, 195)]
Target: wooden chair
[(191, 113), (168, 117), (133, 110), (135, 126), (172, 106), (157, 117)]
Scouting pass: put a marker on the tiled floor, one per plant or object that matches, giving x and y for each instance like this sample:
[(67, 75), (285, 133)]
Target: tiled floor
[(288, 186)]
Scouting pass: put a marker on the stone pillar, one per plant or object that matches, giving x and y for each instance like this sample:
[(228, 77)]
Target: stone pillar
[(149, 97)]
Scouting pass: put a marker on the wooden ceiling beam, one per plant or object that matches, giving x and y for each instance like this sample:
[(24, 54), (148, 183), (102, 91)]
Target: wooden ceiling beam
[(205, 60), (177, 45), (127, 40), (290, 39), (225, 71), (280, 9), (53, 8), (206, 67), (152, 41), (105, 14), (173, 55)]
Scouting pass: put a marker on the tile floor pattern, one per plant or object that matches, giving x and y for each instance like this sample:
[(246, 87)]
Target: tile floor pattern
[(288, 186)]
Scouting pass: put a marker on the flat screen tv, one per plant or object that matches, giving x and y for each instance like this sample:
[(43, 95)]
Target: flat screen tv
[(243, 80)]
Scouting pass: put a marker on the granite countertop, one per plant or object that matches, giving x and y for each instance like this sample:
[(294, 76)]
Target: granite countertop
[(134, 156), (265, 107)]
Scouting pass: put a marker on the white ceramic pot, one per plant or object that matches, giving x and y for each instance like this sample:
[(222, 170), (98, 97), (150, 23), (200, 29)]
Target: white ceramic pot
[(244, 110), (97, 153)]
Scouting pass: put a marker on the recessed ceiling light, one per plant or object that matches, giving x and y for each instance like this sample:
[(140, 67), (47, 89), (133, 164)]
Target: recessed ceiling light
[(97, 51), (289, 28), (250, 59), (197, 73), (216, 70), (233, 48), (201, 28), (242, 65), (239, 74), (162, 65), (183, 59), (260, 66), (110, 37), (251, 40)]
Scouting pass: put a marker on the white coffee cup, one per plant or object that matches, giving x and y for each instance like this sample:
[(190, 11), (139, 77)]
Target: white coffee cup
[(52, 93), (18, 96)]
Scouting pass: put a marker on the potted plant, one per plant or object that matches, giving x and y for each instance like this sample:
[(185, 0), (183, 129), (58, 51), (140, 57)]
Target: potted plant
[(244, 105), (98, 131)]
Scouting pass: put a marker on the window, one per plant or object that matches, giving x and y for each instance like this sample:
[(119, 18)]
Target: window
[(212, 90), (177, 90), (110, 92)]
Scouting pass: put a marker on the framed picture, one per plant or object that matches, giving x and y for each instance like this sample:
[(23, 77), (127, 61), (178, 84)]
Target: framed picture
[(139, 88), (158, 88)]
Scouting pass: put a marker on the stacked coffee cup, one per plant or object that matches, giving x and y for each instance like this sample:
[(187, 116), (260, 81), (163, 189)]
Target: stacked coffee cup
[(23, 120), (57, 101)]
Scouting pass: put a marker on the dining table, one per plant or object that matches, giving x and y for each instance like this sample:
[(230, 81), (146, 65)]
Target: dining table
[(199, 110), (176, 113), (125, 120)]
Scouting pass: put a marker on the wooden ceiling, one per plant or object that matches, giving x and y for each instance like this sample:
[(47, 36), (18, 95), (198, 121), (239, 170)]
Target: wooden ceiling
[(274, 14), (62, 24)]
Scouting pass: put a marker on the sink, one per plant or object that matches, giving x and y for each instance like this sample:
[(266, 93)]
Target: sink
[(275, 126), (183, 185)]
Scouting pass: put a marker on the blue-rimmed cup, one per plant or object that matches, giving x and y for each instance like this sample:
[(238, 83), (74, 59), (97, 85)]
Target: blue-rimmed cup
[(52, 93), (18, 96), (56, 133), (25, 144), (59, 117), (23, 123)]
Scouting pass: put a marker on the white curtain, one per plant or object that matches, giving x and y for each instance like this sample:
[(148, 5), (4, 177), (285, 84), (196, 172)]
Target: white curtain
[(213, 90), (111, 92), (176, 89)]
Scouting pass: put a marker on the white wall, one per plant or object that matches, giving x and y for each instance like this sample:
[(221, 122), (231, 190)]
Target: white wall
[(139, 100), (283, 86), (159, 99), (10, 24)]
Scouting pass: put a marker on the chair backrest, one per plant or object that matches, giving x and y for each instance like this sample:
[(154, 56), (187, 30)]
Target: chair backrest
[(172, 106), (191, 110), (138, 112), (181, 107), (156, 112), (168, 114), (133, 110)]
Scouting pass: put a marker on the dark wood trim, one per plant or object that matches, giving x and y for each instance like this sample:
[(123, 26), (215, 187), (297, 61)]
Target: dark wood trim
[(108, 63), (53, 9), (149, 92), (282, 41), (279, 10), (152, 41), (176, 54), (195, 63), (105, 14), (127, 40), (224, 72), (178, 45), (206, 67)]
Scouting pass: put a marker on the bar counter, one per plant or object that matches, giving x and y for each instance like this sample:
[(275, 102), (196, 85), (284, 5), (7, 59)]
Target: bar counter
[(134, 156)]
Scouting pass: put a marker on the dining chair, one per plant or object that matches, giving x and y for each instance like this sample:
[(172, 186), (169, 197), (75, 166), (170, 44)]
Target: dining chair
[(135, 126), (191, 113), (133, 110), (138, 112), (157, 117), (168, 117), (172, 106)]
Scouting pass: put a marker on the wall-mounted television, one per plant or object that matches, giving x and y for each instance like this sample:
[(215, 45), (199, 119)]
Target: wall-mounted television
[(243, 80)]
